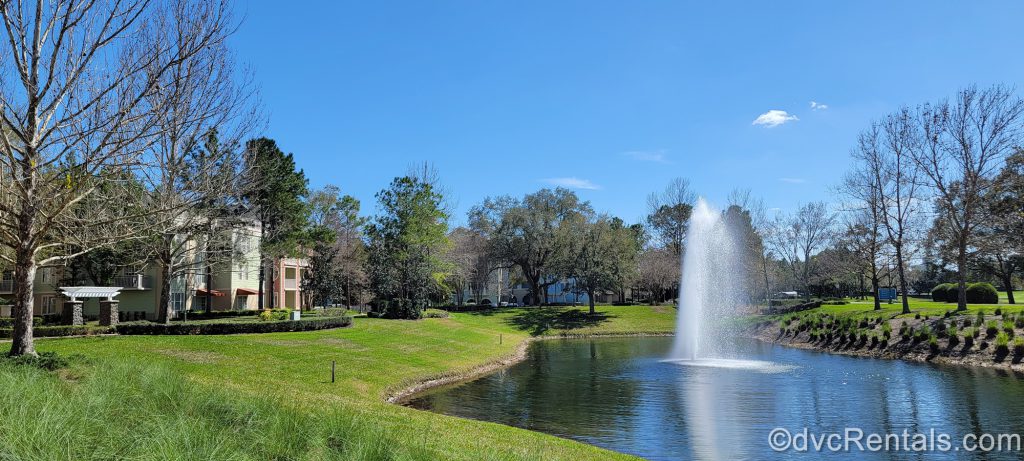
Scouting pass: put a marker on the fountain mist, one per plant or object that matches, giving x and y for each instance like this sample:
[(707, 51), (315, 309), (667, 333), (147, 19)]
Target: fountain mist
[(710, 288)]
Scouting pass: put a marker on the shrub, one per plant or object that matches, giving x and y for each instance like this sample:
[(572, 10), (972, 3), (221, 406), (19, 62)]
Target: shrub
[(886, 330), (945, 293), (980, 318), (274, 315), (969, 336), (982, 293), (409, 310), (207, 315), (1008, 327), (8, 322), (1018, 346), (60, 330), (228, 328), (1002, 343), (933, 343), (435, 314)]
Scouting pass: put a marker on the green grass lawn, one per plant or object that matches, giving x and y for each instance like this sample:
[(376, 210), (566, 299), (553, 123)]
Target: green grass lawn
[(862, 308), (269, 396)]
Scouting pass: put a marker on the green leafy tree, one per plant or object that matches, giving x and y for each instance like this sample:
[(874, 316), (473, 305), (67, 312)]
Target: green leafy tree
[(599, 254), (670, 213), (334, 222), (407, 247), (528, 233), (276, 196)]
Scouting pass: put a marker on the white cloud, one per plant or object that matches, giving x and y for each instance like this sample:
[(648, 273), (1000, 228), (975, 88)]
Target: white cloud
[(818, 106), (657, 156), (774, 118), (793, 180), (572, 183)]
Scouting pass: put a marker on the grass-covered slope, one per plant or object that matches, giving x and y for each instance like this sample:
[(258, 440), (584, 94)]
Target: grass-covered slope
[(270, 397)]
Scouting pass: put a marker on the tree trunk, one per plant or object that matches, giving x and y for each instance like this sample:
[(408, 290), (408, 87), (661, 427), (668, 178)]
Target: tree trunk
[(269, 281), (590, 297), (163, 308), (903, 278), (961, 276), (24, 281), (874, 288), (1008, 283)]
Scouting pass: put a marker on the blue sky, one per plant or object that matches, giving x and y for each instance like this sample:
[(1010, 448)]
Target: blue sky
[(612, 98)]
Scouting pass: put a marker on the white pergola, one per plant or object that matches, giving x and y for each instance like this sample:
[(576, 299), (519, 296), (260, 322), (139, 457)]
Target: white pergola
[(91, 292)]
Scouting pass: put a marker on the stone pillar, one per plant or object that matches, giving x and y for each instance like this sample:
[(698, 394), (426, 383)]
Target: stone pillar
[(72, 314), (109, 312)]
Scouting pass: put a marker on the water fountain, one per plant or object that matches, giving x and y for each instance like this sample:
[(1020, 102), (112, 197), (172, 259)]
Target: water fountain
[(711, 290), (709, 283)]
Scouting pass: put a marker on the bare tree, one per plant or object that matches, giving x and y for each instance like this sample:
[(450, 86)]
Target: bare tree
[(885, 153), (193, 170), (73, 91), (964, 142), (799, 237), (760, 253)]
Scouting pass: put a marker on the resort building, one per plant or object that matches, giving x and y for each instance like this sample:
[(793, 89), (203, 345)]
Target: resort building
[(231, 283)]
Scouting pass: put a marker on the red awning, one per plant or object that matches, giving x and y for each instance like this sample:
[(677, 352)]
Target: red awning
[(246, 292), (204, 292)]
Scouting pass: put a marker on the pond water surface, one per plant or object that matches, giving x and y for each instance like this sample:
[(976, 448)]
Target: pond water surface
[(620, 394)]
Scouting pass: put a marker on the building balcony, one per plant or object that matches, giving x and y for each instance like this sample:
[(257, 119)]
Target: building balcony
[(134, 282)]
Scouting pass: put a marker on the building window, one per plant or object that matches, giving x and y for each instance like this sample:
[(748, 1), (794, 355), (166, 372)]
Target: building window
[(47, 275), (243, 270), (177, 301), (49, 305)]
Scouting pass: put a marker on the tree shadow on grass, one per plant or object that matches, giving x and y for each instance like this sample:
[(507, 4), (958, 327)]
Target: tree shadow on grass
[(541, 320)]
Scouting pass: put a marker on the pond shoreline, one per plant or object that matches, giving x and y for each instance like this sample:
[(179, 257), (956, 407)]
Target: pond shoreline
[(408, 392), (906, 350)]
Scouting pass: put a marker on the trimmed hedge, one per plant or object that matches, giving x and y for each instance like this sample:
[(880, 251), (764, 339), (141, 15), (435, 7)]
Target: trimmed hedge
[(8, 322), (945, 293), (982, 293), (202, 315), (60, 330), (977, 293), (232, 328)]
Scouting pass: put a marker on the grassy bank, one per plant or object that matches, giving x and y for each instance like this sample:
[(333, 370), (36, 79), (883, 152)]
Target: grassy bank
[(988, 335), (270, 397)]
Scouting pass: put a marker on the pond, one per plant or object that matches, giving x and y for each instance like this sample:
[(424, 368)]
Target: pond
[(620, 394)]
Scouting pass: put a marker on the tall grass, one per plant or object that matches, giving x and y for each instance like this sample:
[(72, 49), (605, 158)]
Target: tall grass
[(126, 412)]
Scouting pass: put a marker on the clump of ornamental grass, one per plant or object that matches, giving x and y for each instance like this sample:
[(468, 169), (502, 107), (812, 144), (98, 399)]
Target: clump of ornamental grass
[(886, 330), (991, 328), (917, 316), (1018, 346), (979, 320), (969, 334), (933, 343), (948, 314), (1008, 327), (967, 322), (953, 338), (1002, 343), (999, 311)]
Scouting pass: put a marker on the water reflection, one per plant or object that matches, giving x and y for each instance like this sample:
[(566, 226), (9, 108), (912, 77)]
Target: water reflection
[(620, 394)]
